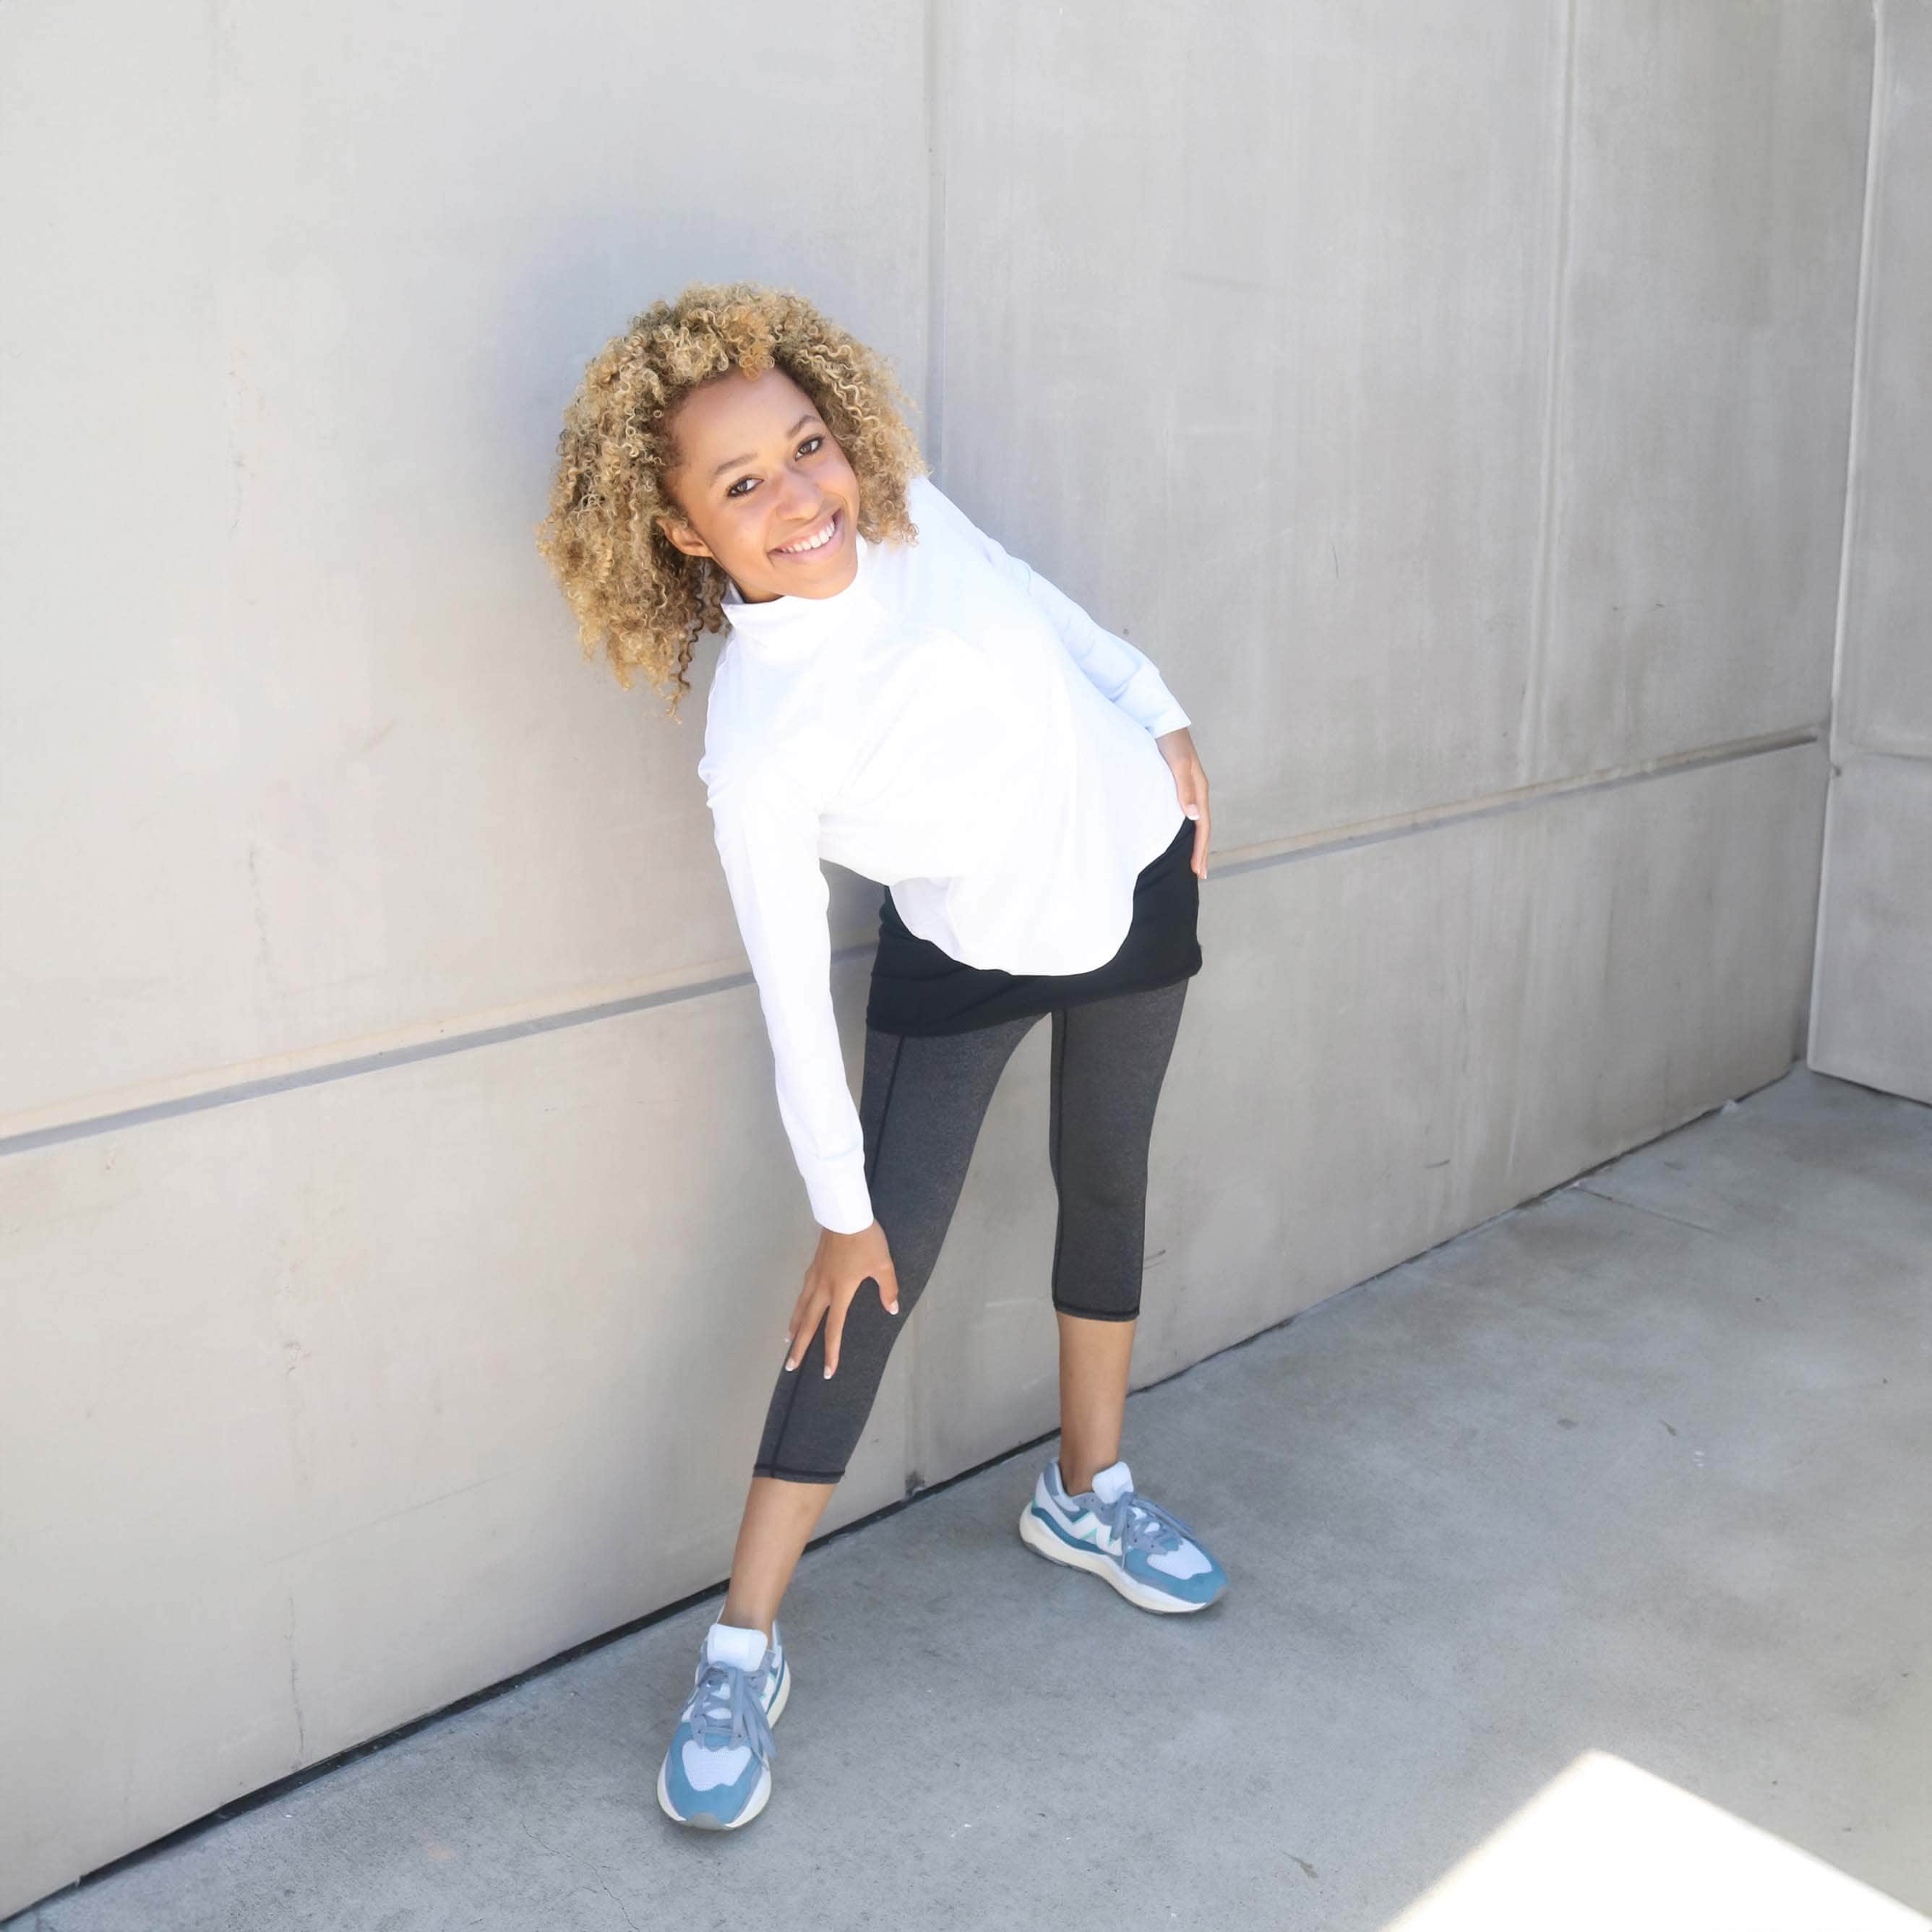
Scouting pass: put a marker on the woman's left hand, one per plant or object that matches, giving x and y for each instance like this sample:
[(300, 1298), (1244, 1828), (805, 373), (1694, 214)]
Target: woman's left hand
[(1190, 784)]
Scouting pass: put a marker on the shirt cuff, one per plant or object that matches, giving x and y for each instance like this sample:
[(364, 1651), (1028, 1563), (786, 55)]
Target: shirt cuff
[(1149, 702), (840, 1199)]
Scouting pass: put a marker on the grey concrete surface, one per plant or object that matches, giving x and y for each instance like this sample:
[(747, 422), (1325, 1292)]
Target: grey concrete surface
[(1872, 1010), (1443, 476), (1884, 686), (1633, 1469), (380, 789), (1873, 1014)]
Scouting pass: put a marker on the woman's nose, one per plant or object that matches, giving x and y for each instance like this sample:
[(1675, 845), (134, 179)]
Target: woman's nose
[(797, 495)]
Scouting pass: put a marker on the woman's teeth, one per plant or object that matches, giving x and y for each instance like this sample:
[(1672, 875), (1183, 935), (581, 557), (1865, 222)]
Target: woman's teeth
[(818, 540)]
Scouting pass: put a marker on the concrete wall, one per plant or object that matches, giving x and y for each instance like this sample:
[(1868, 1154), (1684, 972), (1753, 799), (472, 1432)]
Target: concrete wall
[(1871, 1018), (1453, 400)]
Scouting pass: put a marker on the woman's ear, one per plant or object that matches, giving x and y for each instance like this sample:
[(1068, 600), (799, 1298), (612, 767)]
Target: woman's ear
[(681, 536)]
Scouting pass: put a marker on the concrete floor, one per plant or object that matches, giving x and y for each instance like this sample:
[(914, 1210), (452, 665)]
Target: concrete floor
[(1639, 1469)]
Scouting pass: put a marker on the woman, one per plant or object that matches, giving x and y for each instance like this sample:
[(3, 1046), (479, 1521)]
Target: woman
[(898, 695)]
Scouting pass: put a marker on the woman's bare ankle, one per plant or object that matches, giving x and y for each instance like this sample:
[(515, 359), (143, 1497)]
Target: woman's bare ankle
[(778, 1520), (741, 1616)]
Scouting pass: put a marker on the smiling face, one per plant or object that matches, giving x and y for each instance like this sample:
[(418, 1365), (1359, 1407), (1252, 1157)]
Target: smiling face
[(767, 493)]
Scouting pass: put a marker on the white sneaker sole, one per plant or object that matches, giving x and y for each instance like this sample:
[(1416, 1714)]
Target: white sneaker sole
[(702, 1821), (1038, 1538)]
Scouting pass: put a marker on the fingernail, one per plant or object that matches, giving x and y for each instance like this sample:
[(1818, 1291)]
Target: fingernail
[(789, 1367), (1193, 811), (891, 1308), (828, 1374)]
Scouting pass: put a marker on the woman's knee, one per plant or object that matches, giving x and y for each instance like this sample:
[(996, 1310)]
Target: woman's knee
[(815, 1421)]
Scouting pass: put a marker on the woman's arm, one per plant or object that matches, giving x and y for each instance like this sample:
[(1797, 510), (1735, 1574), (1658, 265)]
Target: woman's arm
[(1190, 786), (1115, 668), (767, 837)]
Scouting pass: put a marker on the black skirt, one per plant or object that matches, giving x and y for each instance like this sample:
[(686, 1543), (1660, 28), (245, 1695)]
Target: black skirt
[(918, 988)]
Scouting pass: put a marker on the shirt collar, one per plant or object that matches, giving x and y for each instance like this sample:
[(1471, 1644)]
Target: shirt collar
[(793, 627)]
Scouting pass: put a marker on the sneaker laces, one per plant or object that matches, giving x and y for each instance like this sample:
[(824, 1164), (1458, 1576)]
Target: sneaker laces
[(723, 1710), (1138, 1524)]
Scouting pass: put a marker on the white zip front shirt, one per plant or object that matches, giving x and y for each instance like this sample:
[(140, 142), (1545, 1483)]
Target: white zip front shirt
[(952, 726)]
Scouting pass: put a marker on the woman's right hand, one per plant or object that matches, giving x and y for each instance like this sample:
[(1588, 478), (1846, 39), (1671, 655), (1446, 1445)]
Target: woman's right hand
[(842, 1266)]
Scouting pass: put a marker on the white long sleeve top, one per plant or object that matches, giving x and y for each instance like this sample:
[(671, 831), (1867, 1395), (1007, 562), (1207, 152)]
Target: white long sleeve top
[(952, 726)]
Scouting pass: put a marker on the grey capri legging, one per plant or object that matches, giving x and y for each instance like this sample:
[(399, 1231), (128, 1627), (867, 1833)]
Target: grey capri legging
[(923, 1099)]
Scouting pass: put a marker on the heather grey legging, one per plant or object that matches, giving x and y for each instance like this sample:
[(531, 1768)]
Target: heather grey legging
[(923, 1099)]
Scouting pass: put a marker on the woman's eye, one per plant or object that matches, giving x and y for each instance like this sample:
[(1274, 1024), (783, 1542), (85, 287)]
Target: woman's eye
[(739, 488), (809, 447)]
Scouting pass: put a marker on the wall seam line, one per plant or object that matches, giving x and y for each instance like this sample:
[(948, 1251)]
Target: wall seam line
[(935, 241), (263, 1086), (1524, 799), (1232, 864), (912, 1444), (1530, 733), (1854, 436)]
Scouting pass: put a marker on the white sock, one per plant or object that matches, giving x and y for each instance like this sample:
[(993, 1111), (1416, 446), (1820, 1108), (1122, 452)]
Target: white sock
[(1109, 1485), (729, 1643)]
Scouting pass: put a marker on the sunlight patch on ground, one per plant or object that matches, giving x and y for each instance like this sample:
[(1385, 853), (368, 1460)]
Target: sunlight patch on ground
[(1606, 1847)]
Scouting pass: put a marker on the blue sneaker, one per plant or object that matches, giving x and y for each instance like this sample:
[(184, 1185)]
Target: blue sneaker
[(717, 1774), (1154, 1559)]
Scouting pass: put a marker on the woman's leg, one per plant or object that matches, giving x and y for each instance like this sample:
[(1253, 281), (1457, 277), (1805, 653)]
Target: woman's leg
[(1094, 1358), (1109, 1058), (779, 1518), (920, 1107)]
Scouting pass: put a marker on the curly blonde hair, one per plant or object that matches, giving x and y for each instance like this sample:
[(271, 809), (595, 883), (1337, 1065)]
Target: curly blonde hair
[(637, 598)]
